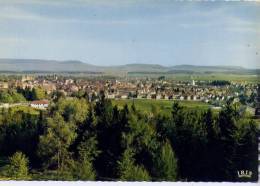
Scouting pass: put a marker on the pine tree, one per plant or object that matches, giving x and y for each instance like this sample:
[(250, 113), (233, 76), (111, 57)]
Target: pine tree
[(166, 164), (227, 143), (108, 129), (84, 170), (129, 171), (209, 154), (18, 166), (54, 144), (247, 149), (87, 151)]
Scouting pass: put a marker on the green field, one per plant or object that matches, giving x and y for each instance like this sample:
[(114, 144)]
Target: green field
[(203, 77), (150, 105)]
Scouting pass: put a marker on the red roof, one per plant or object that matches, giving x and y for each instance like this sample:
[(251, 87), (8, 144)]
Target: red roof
[(40, 102)]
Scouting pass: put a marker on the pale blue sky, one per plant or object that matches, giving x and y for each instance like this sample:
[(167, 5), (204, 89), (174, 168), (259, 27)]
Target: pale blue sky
[(114, 32)]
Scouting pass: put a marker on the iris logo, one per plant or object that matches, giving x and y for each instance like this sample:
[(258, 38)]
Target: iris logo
[(244, 174)]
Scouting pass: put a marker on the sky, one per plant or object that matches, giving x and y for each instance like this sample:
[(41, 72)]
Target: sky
[(116, 32)]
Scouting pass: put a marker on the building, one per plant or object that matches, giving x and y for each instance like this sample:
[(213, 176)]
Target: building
[(158, 96), (110, 96), (40, 104), (193, 83), (4, 85), (49, 87), (27, 78), (124, 96), (149, 96)]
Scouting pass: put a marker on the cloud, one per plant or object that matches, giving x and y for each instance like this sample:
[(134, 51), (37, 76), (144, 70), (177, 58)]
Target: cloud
[(186, 15), (10, 12), (18, 13), (79, 2)]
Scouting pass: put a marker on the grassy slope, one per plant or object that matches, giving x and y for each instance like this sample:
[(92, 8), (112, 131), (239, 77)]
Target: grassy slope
[(147, 105), (203, 77)]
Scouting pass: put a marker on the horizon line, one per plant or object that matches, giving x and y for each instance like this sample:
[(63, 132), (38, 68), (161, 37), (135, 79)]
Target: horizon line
[(134, 63)]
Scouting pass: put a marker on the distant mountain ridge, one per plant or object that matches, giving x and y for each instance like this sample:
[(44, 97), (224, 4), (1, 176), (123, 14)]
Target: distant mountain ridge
[(39, 65), (21, 65), (208, 67)]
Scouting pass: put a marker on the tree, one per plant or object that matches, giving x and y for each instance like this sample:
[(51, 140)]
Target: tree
[(129, 171), (5, 97), (56, 95), (227, 142), (247, 151), (74, 110), (84, 166), (84, 170), (187, 133), (161, 78), (20, 131), (54, 144), (87, 149), (18, 166), (16, 96), (141, 137), (211, 153), (108, 132), (220, 83), (38, 93), (177, 114), (27, 93), (166, 164), (75, 141), (87, 152)]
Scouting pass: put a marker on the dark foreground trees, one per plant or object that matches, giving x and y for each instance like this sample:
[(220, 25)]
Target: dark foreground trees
[(78, 140)]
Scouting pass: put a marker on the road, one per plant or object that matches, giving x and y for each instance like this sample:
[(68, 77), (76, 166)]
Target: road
[(8, 105)]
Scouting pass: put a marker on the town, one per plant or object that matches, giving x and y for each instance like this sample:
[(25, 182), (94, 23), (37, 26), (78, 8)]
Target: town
[(214, 92)]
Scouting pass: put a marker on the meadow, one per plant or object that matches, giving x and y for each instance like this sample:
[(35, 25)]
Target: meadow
[(151, 105), (239, 78)]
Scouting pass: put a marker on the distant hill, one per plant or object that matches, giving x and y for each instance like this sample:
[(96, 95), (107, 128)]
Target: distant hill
[(21, 65), (211, 69), (207, 68), (135, 67), (38, 65)]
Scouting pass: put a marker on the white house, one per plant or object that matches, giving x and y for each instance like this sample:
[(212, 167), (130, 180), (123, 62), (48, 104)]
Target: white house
[(158, 96), (111, 96), (124, 96), (40, 104)]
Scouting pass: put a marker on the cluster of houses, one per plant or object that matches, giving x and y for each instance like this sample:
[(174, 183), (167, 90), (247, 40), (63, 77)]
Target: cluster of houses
[(133, 88), (177, 91)]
